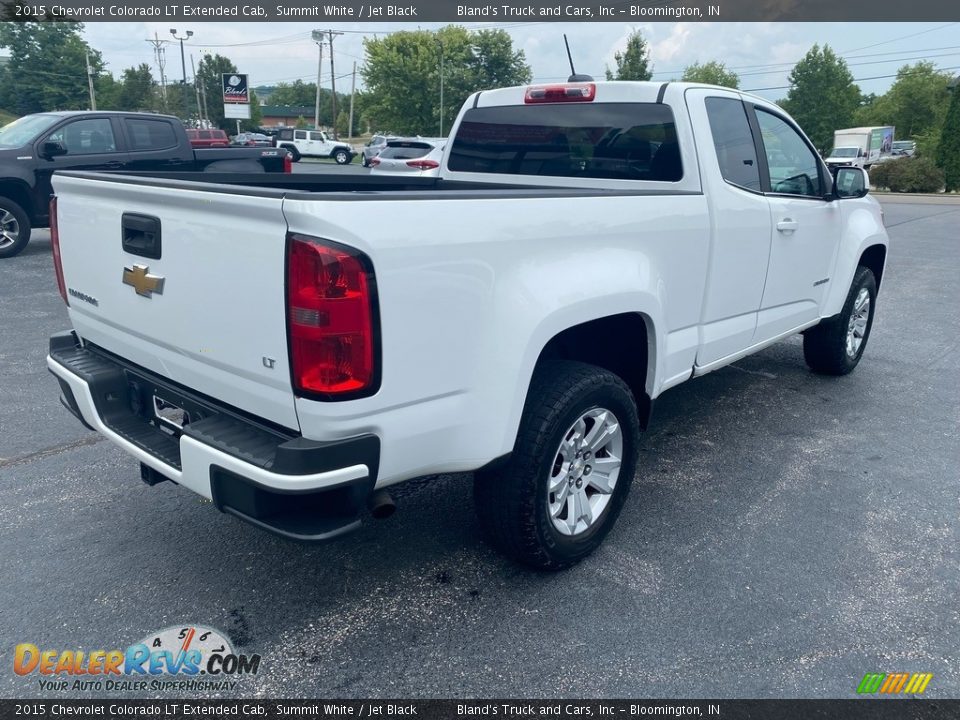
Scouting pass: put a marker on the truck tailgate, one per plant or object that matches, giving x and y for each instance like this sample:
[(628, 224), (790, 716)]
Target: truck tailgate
[(217, 324)]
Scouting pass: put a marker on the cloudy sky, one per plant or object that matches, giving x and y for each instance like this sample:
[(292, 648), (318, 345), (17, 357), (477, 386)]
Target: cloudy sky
[(762, 53)]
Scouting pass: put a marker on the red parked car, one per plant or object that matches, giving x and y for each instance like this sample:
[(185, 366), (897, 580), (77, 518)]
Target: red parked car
[(208, 138)]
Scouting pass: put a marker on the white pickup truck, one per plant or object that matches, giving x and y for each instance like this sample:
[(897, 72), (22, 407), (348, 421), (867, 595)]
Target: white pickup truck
[(289, 346)]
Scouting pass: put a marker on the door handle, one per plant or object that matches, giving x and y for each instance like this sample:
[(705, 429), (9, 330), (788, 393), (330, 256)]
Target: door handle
[(113, 165), (787, 225)]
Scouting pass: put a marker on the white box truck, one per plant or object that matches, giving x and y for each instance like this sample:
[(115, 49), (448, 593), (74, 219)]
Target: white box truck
[(861, 147)]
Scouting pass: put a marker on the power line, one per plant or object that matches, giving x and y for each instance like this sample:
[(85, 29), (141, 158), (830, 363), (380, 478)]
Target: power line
[(902, 37), (856, 80)]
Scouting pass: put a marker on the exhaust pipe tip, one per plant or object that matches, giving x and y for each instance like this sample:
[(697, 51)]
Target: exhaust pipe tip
[(381, 505)]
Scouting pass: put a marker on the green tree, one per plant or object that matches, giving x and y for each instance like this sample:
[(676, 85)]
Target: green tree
[(402, 75), (343, 121), (494, 62), (137, 89), (256, 113), (634, 62), (47, 67), (295, 93), (915, 104), (822, 97), (948, 152), (711, 73)]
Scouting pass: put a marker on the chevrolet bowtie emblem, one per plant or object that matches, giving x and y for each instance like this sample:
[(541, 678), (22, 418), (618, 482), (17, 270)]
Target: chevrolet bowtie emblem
[(142, 281)]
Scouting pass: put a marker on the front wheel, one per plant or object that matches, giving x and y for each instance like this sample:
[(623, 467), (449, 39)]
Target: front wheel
[(342, 157), (14, 228), (557, 497), (835, 346)]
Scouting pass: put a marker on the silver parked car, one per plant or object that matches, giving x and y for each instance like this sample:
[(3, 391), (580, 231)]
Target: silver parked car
[(373, 148), (415, 156)]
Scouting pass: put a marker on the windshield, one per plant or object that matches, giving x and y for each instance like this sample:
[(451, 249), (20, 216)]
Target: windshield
[(22, 131), (844, 152)]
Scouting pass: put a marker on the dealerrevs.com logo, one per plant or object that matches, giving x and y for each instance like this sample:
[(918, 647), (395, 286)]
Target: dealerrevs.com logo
[(177, 658)]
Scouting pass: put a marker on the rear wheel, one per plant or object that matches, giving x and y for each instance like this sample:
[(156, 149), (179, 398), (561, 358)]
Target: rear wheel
[(341, 156), (294, 153), (363, 161), (835, 346), (14, 228), (570, 471)]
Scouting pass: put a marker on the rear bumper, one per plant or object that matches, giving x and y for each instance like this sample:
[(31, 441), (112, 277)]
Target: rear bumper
[(270, 477)]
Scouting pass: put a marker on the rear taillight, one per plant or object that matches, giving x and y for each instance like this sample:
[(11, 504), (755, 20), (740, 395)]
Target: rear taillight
[(583, 92), (374, 161), (288, 163), (423, 164), (55, 245), (331, 307)]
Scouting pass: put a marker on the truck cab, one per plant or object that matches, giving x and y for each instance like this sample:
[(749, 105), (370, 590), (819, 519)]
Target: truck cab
[(846, 157)]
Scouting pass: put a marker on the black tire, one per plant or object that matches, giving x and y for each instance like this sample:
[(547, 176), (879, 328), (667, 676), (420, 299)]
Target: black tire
[(825, 346), (294, 153), (363, 161), (342, 157), (14, 228), (513, 501)]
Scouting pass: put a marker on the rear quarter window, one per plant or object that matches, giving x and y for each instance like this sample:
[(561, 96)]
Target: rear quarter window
[(618, 141), (150, 134)]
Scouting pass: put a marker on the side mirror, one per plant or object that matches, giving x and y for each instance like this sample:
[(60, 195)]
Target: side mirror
[(851, 182), (53, 148)]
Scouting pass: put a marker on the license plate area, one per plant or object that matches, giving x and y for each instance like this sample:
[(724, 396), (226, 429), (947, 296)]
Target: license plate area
[(169, 416)]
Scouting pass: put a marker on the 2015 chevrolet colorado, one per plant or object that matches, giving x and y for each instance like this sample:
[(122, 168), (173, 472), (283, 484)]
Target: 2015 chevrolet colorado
[(273, 346)]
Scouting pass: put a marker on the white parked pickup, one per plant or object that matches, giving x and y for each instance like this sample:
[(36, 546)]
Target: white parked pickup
[(289, 346)]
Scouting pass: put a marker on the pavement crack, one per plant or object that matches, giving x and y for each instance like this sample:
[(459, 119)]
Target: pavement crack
[(91, 439)]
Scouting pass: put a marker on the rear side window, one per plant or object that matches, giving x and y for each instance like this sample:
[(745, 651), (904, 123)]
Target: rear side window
[(618, 141), (150, 134), (406, 151), (733, 141)]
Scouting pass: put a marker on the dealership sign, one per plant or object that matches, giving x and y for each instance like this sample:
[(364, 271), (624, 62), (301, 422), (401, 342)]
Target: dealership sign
[(235, 88)]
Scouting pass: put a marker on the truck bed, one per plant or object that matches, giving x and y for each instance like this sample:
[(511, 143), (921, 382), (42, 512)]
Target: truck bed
[(336, 186)]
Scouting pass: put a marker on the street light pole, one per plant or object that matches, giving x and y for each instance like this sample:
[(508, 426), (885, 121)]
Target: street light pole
[(317, 36), (440, 45), (183, 66)]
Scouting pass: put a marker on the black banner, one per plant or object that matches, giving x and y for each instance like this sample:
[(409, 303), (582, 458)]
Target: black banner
[(478, 11), (892, 709)]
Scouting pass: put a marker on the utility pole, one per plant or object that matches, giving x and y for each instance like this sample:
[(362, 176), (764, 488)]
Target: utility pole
[(196, 89), (353, 91), (183, 66), (93, 93), (159, 54), (333, 84), (317, 36), (441, 87), (203, 95)]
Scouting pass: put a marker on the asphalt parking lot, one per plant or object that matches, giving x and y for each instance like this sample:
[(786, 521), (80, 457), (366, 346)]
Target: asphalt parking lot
[(786, 533)]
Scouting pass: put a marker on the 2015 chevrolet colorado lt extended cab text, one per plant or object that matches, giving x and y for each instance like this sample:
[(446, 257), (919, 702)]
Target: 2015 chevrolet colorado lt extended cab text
[(586, 247)]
